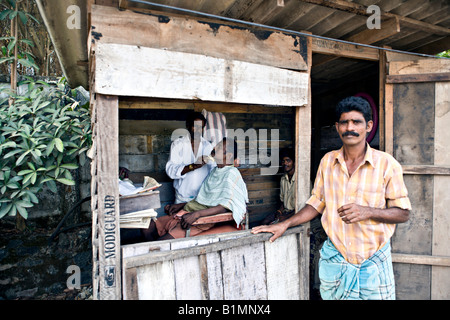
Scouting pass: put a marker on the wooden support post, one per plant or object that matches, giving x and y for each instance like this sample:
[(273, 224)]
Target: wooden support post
[(302, 172), (381, 107), (106, 228), (389, 119)]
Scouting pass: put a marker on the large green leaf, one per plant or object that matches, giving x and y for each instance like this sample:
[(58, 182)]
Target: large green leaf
[(59, 144), (66, 181)]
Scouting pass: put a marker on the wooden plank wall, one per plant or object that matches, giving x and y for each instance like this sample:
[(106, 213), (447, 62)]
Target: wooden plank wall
[(418, 113), (124, 46), (144, 145), (236, 266)]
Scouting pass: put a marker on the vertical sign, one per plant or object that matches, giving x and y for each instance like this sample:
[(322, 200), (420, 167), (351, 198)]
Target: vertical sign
[(107, 161)]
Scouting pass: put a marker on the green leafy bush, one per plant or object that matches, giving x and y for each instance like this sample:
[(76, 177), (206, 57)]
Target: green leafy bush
[(44, 135)]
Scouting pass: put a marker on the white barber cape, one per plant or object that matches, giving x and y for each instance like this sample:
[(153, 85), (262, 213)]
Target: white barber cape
[(181, 154)]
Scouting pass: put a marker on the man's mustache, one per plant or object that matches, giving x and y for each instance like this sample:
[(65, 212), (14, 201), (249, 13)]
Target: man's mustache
[(350, 133)]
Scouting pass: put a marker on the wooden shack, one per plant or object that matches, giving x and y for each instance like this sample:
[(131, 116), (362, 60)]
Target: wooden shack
[(148, 67)]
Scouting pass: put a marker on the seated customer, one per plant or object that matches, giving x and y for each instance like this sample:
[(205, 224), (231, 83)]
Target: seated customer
[(222, 191)]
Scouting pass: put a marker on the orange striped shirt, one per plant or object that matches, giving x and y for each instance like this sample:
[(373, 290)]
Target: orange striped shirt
[(377, 183)]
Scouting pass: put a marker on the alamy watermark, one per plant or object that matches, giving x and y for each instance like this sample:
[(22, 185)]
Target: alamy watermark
[(74, 280), (263, 148), (74, 20), (374, 21)]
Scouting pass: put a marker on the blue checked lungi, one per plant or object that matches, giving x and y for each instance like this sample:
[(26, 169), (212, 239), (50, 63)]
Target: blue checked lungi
[(371, 280)]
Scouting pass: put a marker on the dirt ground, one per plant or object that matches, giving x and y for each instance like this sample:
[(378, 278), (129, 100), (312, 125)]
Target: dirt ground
[(31, 267)]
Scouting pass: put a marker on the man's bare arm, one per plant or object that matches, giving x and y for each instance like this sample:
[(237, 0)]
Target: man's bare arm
[(189, 218), (307, 213), (351, 213)]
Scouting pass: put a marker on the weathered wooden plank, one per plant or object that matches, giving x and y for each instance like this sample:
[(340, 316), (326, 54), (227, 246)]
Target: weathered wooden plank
[(215, 282), (426, 169), (423, 77), (211, 37), (189, 267), (442, 116), (156, 281), (303, 262), (282, 268), (440, 286), (367, 36), (302, 185), (167, 74), (204, 279), (244, 265), (187, 273), (332, 47), (421, 259), (420, 66), (130, 283), (108, 196), (362, 10), (414, 123), (389, 118), (381, 95)]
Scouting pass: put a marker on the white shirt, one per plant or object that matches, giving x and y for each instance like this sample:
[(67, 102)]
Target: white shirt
[(181, 154)]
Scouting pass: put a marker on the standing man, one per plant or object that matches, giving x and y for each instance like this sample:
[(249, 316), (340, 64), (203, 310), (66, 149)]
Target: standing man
[(186, 166), (361, 195)]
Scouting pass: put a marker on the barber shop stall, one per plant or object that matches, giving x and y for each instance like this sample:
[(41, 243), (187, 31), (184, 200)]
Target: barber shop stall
[(148, 72), (149, 68)]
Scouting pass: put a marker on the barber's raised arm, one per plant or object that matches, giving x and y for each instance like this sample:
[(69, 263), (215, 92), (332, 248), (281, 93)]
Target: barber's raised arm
[(307, 213)]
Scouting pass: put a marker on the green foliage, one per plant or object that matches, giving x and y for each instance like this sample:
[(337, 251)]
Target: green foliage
[(44, 135), (24, 58), (444, 54)]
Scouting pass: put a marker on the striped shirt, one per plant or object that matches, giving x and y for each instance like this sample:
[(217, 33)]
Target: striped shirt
[(377, 183)]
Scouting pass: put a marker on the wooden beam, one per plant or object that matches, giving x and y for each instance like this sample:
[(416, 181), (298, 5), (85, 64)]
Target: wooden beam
[(419, 66), (359, 9), (302, 181), (146, 72), (368, 36), (435, 47), (336, 48), (389, 28), (421, 259), (382, 69), (426, 169), (422, 77), (145, 103), (389, 118), (441, 200), (199, 36)]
